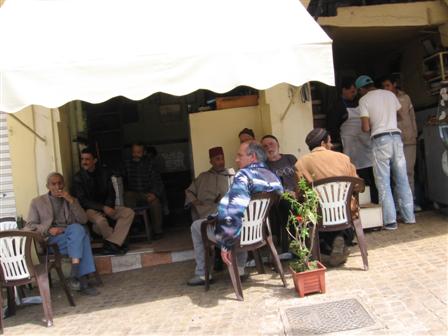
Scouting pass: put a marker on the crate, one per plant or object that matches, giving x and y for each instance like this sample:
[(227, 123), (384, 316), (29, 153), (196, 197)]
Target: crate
[(371, 216), (238, 101)]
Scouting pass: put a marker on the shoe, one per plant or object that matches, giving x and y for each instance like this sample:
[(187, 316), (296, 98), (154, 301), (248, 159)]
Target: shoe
[(74, 284), (198, 281), (285, 256), (90, 291), (391, 226), (417, 208), (339, 252), (110, 248), (244, 277), (157, 236)]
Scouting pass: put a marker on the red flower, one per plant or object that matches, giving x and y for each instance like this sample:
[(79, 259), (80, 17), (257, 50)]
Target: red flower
[(299, 218)]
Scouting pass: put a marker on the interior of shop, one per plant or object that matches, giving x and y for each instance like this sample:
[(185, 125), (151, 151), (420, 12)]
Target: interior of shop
[(416, 58), (161, 123)]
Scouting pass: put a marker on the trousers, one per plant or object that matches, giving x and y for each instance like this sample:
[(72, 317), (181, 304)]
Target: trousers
[(75, 243), (199, 251)]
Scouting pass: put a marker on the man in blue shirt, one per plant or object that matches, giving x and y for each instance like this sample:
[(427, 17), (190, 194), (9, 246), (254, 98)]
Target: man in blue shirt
[(254, 176)]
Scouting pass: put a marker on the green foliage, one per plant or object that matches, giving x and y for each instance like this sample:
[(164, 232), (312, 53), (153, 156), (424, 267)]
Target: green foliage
[(301, 225)]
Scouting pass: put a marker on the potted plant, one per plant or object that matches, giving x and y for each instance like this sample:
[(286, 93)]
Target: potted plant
[(308, 275)]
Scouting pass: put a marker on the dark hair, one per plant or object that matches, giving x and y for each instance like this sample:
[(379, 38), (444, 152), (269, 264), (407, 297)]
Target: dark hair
[(247, 131), (315, 138), (254, 147), (269, 136), (90, 151), (347, 83), (389, 78)]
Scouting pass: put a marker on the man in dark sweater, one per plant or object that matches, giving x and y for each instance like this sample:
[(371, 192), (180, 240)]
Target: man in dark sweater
[(144, 186), (93, 187)]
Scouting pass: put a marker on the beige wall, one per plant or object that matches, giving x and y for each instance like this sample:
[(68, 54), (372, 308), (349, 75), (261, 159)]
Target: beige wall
[(297, 123), (220, 128), (31, 158)]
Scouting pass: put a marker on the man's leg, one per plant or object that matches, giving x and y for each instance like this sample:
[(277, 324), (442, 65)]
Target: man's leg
[(123, 217), (155, 212), (78, 246), (100, 224), (410, 153), (403, 190), (382, 148), (198, 246)]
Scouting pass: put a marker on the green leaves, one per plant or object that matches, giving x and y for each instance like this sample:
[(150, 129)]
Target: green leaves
[(302, 221)]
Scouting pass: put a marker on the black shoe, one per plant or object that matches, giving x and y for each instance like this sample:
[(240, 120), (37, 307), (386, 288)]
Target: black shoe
[(244, 277), (157, 236), (110, 248)]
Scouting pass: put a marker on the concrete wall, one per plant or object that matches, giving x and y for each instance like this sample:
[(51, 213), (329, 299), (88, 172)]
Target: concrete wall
[(297, 122), (31, 158), (220, 128)]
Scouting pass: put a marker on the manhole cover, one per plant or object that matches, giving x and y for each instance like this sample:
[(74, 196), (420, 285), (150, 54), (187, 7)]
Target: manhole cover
[(327, 317)]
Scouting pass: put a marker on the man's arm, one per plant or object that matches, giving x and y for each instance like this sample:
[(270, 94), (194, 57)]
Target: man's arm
[(34, 221), (365, 124)]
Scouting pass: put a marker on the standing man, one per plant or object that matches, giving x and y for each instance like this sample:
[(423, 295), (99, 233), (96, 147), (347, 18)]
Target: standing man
[(408, 127), (246, 134), (92, 186), (59, 218), (379, 117), (253, 177), (143, 186), (205, 192)]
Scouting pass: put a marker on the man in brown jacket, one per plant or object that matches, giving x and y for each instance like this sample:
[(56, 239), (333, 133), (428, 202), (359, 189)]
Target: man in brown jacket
[(408, 126), (321, 163), (59, 218)]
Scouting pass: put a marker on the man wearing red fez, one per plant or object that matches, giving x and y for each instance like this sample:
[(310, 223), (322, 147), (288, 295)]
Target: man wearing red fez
[(205, 192)]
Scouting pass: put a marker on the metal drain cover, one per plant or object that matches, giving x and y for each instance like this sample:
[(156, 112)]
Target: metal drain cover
[(326, 318)]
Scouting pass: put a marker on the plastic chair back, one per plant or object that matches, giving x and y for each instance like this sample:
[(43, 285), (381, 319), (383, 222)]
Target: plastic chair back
[(14, 256), (254, 217), (333, 200)]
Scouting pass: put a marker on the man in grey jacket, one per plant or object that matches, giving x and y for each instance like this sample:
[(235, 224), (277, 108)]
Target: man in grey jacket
[(59, 218)]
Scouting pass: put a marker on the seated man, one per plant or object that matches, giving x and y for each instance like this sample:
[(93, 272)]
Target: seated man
[(253, 177), (246, 134), (322, 162), (205, 192), (92, 186), (58, 217), (143, 187)]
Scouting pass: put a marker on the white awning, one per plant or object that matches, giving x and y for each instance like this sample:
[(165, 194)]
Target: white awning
[(55, 51)]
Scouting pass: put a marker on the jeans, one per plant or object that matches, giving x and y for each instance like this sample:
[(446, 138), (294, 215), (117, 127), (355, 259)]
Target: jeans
[(198, 246), (75, 243), (389, 160)]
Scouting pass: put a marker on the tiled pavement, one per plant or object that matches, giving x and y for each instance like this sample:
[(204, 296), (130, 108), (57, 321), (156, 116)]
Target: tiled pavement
[(405, 291)]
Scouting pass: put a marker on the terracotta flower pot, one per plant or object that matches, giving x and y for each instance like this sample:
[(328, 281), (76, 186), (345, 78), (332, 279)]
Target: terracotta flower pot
[(308, 282)]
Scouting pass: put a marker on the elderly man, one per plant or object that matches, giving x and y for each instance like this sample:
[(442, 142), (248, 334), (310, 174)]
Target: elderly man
[(92, 186), (59, 218), (322, 162), (379, 117), (253, 177), (143, 186), (205, 192)]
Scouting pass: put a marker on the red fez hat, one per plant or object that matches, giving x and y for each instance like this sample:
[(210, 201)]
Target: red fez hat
[(212, 152)]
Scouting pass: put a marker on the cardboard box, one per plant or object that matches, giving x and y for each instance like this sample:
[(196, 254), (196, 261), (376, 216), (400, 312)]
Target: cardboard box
[(238, 101), (371, 216)]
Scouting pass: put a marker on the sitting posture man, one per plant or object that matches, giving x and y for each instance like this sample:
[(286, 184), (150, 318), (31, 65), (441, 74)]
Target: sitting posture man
[(322, 162), (92, 186), (253, 177), (58, 217), (205, 192), (144, 186)]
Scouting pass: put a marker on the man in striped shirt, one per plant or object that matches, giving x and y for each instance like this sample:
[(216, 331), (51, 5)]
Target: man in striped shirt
[(253, 177)]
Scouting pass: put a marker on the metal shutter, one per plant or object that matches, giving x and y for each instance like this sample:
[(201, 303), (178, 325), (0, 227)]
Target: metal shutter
[(7, 197)]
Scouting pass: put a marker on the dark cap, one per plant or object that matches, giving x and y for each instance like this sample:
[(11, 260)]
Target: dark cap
[(212, 152), (315, 137)]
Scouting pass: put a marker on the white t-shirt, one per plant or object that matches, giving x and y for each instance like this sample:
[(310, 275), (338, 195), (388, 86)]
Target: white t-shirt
[(381, 107)]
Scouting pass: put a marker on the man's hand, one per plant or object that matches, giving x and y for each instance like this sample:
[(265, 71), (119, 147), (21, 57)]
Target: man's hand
[(65, 195), (55, 231), (226, 256), (150, 197), (109, 211)]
